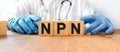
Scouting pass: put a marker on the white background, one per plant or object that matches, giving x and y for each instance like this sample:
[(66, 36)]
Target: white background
[(109, 8)]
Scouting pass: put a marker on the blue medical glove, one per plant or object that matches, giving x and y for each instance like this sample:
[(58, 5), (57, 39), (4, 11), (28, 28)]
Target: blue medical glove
[(97, 23), (26, 24)]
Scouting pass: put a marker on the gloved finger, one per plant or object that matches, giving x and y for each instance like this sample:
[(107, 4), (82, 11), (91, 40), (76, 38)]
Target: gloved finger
[(109, 30), (87, 19), (10, 23), (92, 26), (98, 29), (24, 26), (31, 25), (17, 28), (35, 18), (35, 23)]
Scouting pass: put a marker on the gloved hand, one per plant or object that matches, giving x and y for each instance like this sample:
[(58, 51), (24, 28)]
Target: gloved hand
[(24, 24), (97, 23)]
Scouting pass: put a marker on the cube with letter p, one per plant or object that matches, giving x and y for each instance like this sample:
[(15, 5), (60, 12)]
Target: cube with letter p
[(61, 28)]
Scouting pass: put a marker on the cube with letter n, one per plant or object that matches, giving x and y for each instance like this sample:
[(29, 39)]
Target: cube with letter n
[(45, 28), (77, 27)]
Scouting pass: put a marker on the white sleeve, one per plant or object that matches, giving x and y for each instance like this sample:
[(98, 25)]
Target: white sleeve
[(86, 8), (22, 7)]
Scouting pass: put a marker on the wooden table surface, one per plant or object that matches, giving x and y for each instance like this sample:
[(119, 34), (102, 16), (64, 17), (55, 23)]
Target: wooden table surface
[(14, 42)]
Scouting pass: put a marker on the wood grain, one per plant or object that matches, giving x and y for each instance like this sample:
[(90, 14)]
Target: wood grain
[(14, 42), (3, 28)]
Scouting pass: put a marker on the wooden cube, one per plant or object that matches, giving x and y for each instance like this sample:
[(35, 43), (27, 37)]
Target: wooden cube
[(45, 28), (61, 28), (3, 28), (77, 27)]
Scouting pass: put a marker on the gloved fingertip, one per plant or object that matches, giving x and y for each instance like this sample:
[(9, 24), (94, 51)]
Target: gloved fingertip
[(109, 30), (35, 18), (108, 33), (93, 32), (86, 28), (10, 22), (35, 23), (29, 32), (36, 31), (86, 32), (21, 32), (81, 18)]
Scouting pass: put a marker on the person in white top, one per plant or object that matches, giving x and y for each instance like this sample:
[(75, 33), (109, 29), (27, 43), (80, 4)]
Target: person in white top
[(23, 19)]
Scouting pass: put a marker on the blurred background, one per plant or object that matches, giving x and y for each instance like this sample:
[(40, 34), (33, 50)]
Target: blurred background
[(108, 8)]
